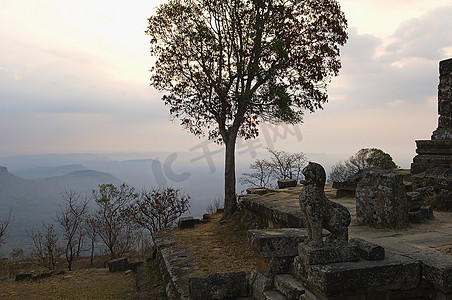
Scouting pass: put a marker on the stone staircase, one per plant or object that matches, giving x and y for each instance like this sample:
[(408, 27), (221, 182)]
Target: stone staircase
[(285, 287), (276, 249), (288, 269)]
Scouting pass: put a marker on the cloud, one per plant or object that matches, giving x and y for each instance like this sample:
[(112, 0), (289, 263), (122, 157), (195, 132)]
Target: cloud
[(424, 37), (403, 67)]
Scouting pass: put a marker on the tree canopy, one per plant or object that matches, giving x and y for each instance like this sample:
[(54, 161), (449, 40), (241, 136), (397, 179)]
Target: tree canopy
[(364, 158), (228, 65)]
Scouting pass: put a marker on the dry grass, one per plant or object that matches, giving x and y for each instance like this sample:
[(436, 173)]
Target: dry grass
[(81, 284), (219, 246)]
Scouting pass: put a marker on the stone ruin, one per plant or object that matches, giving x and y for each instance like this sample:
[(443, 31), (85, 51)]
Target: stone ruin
[(437, 152), (432, 166), (320, 262)]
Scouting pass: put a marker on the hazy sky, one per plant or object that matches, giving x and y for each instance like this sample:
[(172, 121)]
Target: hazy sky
[(74, 78)]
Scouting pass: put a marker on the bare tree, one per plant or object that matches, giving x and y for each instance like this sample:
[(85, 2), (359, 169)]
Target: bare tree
[(45, 245), (287, 165), (280, 165), (71, 218), (92, 233), (160, 208), (114, 219), (262, 172), (4, 223)]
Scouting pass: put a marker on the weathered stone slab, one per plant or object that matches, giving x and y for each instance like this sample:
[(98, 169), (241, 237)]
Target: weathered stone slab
[(436, 271), (259, 285), (423, 214), (381, 200), (186, 222), (219, 286), (351, 278), (134, 265), (276, 242), (267, 212), (414, 200), (118, 265), (444, 201), (286, 183), (287, 285), (327, 253), (368, 250), (23, 276), (260, 190)]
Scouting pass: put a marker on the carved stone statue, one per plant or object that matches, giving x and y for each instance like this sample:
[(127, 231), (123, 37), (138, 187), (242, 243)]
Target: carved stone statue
[(321, 212)]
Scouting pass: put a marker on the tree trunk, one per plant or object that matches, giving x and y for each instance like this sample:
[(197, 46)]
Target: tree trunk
[(230, 201)]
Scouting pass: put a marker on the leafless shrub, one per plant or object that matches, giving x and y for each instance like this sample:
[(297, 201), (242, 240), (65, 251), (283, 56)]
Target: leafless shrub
[(215, 206), (45, 245), (4, 223), (159, 208), (71, 218)]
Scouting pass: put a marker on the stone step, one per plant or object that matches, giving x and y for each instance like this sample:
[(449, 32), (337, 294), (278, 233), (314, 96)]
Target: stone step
[(274, 295), (290, 287)]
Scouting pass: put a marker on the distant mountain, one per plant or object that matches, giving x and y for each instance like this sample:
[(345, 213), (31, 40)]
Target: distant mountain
[(33, 201), (43, 172), (81, 181)]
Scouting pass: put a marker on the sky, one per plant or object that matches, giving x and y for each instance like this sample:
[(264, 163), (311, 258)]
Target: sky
[(74, 79)]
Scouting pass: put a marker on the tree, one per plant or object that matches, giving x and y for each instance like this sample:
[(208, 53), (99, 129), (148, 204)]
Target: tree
[(262, 172), (71, 218), (157, 209), (228, 65), (92, 233), (45, 245), (114, 219), (364, 158), (4, 223), (287, 165), (280, 165)]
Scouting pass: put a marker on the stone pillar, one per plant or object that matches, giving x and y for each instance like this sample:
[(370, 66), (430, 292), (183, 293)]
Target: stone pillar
[(444, 130), (437, 152)]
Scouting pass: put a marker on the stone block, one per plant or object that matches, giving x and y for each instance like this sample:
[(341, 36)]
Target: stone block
[(134, 265), (259, 284), (381, 200), (436, 271), (118, 265), (354, 278), (257, 190), (271, 243), (423, 214), (274, 295), (186, 222), (269, 267), (444, 201), (328, 253), (219, 286), (286, 183), (23, 276), (287, 285), (368, 250), (414, 200)]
